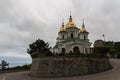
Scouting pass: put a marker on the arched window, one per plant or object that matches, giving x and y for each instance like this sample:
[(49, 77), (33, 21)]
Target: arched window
[(63, 36), (71, 35)]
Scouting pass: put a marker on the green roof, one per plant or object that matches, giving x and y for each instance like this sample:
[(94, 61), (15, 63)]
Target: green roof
[(56, 46)]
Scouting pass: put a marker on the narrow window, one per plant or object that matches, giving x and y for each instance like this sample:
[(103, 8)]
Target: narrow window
[(84, 37), (71, 35), (63, 36)]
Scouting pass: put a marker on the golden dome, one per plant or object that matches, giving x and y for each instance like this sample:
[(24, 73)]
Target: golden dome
[(70, 23), (62, 29), (83, 30)]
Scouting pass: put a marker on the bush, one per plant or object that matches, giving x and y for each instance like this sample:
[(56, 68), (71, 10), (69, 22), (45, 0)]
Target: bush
[(24, 67)]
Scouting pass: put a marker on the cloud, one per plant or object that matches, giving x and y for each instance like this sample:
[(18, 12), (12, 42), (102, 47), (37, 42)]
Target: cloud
[(10, 54), (23, 21)]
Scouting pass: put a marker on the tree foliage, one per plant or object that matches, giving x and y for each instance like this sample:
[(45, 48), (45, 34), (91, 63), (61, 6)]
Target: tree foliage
[(39, 46), (101, 51), (116, 46), (113, 52), (4, 64)]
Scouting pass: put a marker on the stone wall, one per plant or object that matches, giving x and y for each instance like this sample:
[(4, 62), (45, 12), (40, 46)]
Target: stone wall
[(64, 67)]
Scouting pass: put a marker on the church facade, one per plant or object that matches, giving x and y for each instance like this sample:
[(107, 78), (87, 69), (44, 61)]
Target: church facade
[(72, 39)]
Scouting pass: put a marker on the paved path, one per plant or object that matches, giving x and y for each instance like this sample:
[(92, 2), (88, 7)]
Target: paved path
[(113, 74), (1, 77)]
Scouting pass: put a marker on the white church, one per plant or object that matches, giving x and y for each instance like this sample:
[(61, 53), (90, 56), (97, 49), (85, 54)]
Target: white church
[(72, 39)]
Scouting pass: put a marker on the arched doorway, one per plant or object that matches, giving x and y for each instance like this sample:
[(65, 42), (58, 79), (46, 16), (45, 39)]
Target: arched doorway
[(76, 49), (63, 50)]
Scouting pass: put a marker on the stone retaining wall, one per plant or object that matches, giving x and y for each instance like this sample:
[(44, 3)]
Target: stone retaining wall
[(64, 67)]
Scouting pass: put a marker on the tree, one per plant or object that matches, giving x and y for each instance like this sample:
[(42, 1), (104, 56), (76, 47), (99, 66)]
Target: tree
[(117, 48), (101, 51), (113, 52), (4, 64), (39, 47)]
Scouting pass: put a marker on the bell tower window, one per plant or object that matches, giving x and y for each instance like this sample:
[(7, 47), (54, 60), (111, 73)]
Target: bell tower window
[(63, 36), (71, 35), (84, 37)]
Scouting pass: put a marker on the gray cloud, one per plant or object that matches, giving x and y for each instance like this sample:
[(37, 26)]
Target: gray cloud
[(23, 21)]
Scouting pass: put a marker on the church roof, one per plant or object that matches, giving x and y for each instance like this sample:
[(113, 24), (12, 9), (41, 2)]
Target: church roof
[(56, 46), (71, 24)]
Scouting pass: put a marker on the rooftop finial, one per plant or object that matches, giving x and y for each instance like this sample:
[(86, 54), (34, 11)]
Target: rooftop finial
[(63, 22), (83, 25), (70, 19), (83, 20), (70, 12)]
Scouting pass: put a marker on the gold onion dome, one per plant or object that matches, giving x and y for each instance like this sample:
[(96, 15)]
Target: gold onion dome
[(70, 23), (62, 28), (83, 27)]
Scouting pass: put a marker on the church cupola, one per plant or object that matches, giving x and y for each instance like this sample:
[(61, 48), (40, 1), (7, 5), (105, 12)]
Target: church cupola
[(83, 27), (62, 28), (70, 23)]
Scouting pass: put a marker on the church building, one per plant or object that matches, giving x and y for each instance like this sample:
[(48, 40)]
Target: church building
[(72, 39)]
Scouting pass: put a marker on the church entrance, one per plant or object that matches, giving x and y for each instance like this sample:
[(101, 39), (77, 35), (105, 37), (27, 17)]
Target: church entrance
[(76, 49), (63, 50)]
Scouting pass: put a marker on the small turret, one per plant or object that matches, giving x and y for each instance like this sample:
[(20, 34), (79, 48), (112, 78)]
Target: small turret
[(83, 27), (62, 28)]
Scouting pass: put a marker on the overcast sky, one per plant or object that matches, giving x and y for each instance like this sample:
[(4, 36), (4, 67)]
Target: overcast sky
[(24, 21)]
